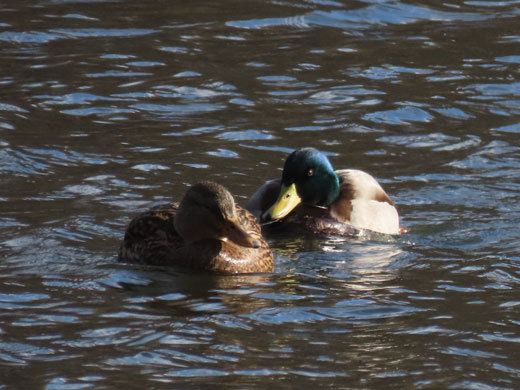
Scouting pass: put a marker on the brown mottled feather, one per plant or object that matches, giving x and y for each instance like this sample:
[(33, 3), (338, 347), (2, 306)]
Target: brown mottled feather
[(151, 239)]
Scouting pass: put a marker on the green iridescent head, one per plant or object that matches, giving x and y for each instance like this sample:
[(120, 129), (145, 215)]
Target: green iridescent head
[(308, 177)]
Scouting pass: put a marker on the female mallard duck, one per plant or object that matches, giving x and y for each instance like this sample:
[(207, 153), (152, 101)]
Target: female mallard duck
[(312, 197), (207, 231)]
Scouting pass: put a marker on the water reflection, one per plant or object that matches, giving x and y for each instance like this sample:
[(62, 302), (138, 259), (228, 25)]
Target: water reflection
[(107, 108)]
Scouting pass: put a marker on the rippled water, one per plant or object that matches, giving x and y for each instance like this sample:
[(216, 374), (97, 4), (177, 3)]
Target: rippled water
[(109, 107)]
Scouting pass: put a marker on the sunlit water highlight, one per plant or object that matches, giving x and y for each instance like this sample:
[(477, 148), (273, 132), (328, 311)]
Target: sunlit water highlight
[(107, 108)]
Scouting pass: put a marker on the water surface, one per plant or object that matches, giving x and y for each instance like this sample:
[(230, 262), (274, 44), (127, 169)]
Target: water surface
[(109, 107)]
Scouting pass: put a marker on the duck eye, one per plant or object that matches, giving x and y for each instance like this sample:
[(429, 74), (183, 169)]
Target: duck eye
[(310, 172)]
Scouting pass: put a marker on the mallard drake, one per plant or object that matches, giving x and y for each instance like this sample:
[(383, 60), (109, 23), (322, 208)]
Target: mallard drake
[(313, 197), (207, 231)]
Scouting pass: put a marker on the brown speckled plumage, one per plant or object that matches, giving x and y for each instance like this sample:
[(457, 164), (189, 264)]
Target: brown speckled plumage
[(152, 239)]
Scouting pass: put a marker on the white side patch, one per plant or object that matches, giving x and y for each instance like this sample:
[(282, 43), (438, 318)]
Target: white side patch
[(373, 215)]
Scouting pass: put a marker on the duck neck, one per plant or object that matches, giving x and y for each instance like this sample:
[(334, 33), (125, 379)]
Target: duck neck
[(331, 190), (322, 191)]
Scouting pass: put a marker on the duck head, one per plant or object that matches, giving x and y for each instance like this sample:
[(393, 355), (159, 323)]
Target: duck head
[(208, 211), (308, 177)]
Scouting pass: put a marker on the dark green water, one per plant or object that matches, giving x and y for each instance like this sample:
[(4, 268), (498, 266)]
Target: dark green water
[(109, 107)]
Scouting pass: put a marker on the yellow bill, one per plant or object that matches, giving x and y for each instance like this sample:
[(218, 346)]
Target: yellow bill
[(286, 202)]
